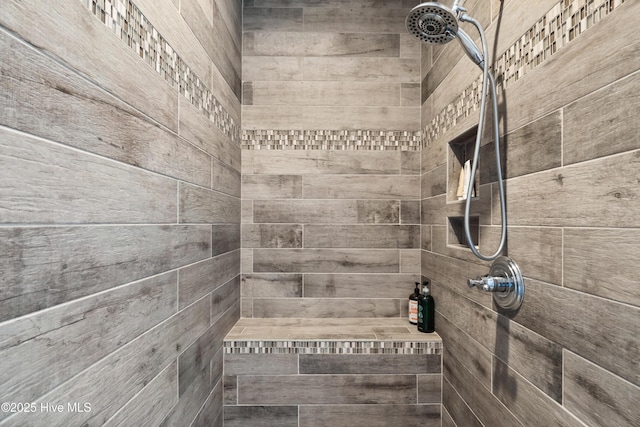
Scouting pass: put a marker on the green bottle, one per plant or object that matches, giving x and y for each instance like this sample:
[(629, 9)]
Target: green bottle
[(426, 310)]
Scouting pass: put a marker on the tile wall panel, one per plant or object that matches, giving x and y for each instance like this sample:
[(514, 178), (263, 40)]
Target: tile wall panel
[(347, 65), (339, 238), (597, 396), (567, 83), (119, 120)]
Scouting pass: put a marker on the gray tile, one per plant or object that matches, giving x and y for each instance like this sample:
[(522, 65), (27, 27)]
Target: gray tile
[(323, 308), (326, 389), (598, 397), (201, 278), (148, 93), (272, 236), (322, 260), (130, 367), (327, 285), (152, 403), (261, 416), (430, 388), (272, 19), (76, 187), (527, 402), (271, 285), (372, 364), (260, 364), (45, 265), (362, 236), (271, 186), (262, 43), (200, 205), (369, 415), (566, 317), (41, 340), (602, 262), (361, 187)]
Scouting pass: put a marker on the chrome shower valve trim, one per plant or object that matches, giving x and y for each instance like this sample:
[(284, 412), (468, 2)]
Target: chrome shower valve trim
[(504, 281)]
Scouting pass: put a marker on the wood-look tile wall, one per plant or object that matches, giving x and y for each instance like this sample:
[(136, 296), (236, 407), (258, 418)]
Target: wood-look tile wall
[(316, 390), (120, 216), (329, 233), (569, 357), (330, 65)]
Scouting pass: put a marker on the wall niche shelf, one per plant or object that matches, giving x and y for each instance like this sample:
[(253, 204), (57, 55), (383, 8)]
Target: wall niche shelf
[(456, 236), (460, 151)]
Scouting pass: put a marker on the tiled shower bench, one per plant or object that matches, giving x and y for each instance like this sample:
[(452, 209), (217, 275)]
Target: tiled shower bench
[(331, 372)]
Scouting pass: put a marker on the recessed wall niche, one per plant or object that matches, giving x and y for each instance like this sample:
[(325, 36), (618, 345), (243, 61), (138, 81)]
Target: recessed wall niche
[(456, 235), (460, 151)]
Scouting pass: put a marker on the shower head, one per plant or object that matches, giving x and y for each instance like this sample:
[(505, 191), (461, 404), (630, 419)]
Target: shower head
[(435, 23), (432, 23)]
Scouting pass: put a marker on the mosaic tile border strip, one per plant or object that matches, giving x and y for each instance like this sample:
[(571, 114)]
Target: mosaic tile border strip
[(567, 20), (332, 347), (331, 140), (128, 23)]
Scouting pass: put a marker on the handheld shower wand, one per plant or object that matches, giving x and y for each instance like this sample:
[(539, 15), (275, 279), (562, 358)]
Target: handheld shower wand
[(435, 23)]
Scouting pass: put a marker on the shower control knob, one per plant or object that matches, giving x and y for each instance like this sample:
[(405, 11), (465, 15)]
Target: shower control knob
[(490, 283), (504, 281)]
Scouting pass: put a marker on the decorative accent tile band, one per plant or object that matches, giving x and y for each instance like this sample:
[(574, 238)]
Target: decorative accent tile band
[(129, 24), (331, 140), (562, 24), (332, 347)]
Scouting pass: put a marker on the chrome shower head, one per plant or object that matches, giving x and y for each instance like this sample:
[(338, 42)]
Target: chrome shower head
[(432, 23), (435, 23)]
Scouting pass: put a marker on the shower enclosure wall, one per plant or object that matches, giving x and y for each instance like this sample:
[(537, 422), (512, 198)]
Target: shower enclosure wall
[(120, 210), (568, 81), (128, 243)]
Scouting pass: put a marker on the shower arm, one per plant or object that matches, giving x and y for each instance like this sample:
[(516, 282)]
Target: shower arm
[(487, 76), (457, 7)]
